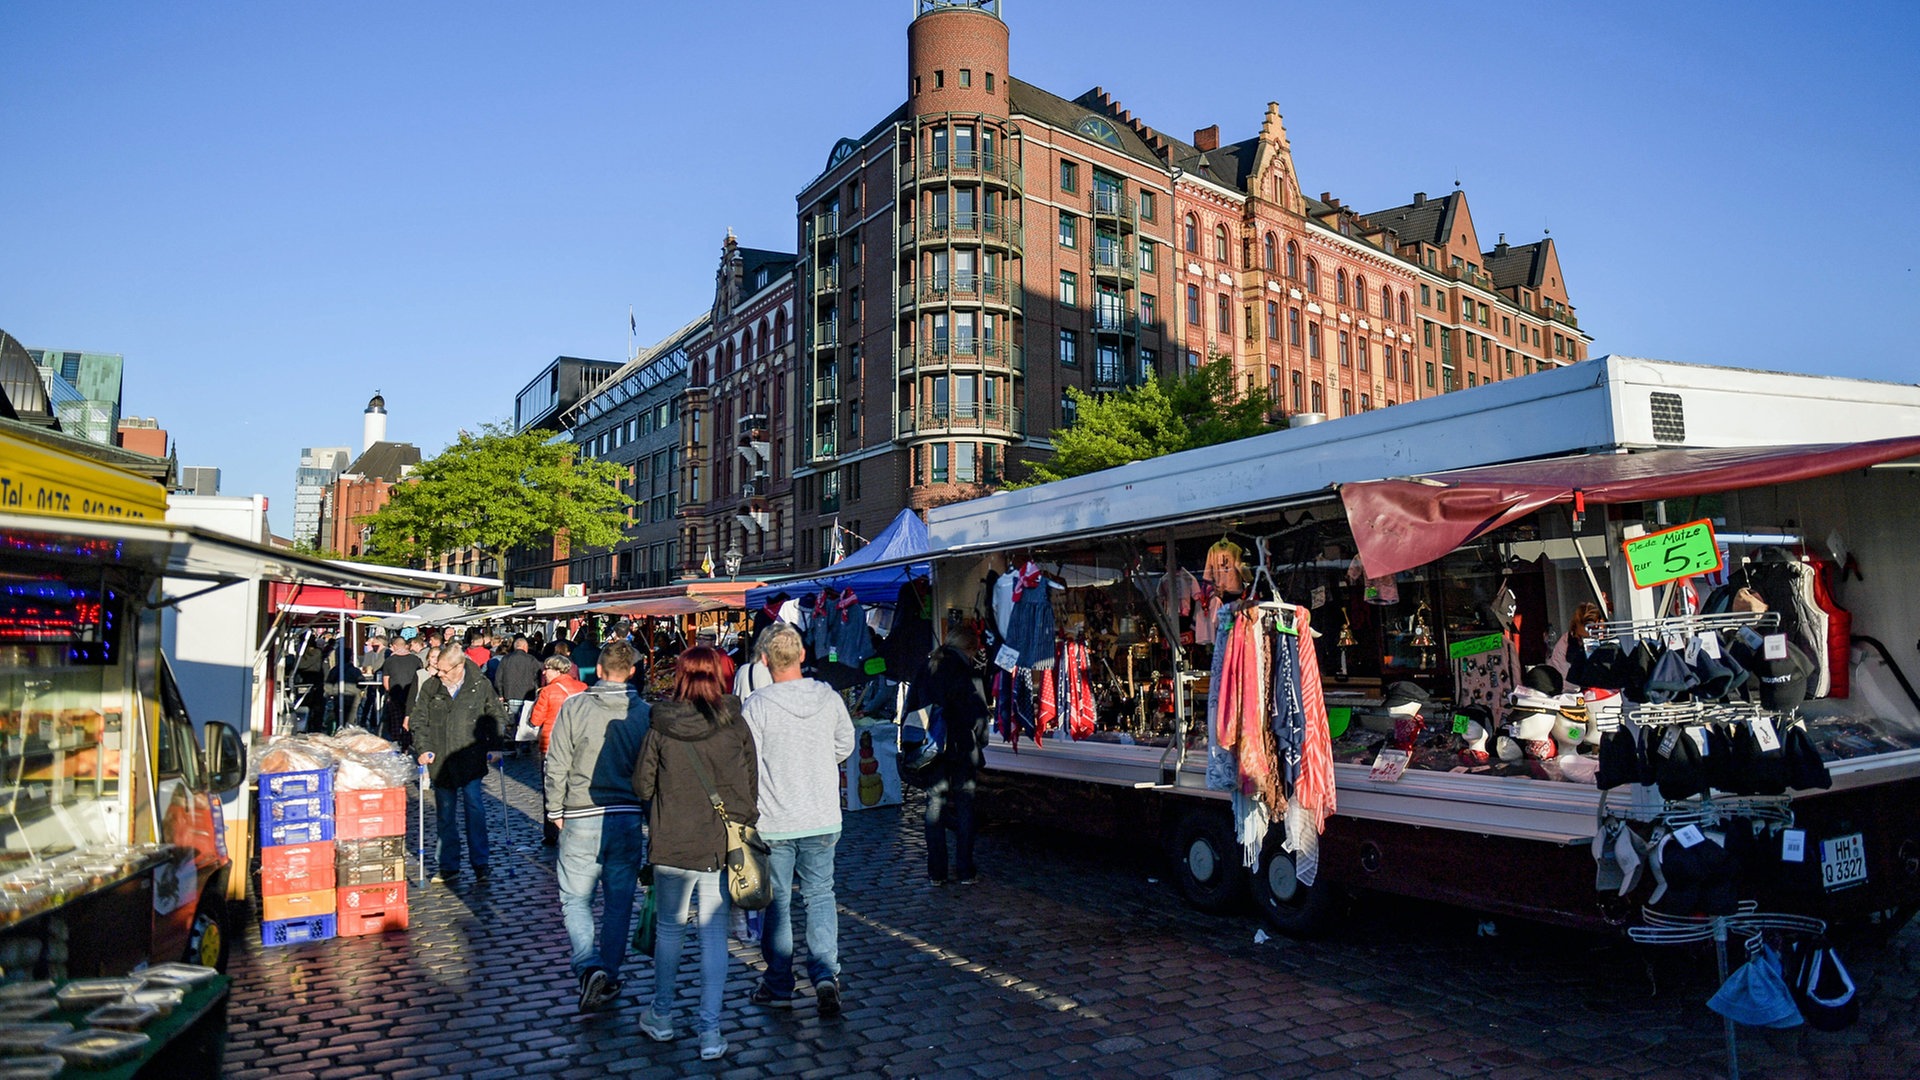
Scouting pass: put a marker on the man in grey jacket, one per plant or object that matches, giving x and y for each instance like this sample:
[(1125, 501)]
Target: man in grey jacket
[(596, 742), (802, 734)]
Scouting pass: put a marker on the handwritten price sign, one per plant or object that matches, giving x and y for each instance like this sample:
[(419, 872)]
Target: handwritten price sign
[(1671, 554)]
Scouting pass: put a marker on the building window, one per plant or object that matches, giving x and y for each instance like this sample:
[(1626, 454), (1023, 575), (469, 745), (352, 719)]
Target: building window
[(1313, 276), (1069, 410), (1069, 176), (1403, 310), (1193, 361), (1269, 257), (1319, 397), (1472, 380), (1069, 288), (939, 80), (1293, 259), (1293, 326), (1429, 374), (1346, 403), (1148, 314), (1426, 332), (939, 463), (1299, 403), (1346, 349), (1360, 294), (1193, 305), (1146, 256), (1069, 230), (1366, 403), (1223, 313), (1386, 303), (1146, 206), (1069, 349), (1149, 365), (1506, 326), (1190, 234), (963, 468), (966, 76), (1313, 342), (1406, 366), (1220, 243), (989, 82), (1339, 286), (1364, 362), (1426, 296), (1273, 320)]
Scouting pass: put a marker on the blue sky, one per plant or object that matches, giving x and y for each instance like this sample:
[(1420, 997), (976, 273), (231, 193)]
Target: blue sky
[(275, 209)]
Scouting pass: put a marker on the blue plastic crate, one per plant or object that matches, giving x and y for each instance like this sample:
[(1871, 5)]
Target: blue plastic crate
[(297, 931), (295, 807), (276, 833), (284, 784)]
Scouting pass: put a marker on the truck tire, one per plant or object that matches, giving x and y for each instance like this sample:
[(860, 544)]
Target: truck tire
[(210, 941), (1207, 860), (1288, 905)]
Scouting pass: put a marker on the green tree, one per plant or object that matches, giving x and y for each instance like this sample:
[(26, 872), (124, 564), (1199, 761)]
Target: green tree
[(496, 491), (1162, 416)]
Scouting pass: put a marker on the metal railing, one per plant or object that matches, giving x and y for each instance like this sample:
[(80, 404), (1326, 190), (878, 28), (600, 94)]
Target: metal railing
[(826, 336), (826, 279), (980, 416), (1115, 322), (826, 227), (826, 390), (969, 164), (966, 351), (962, 288), (1562, 316), (970, 225), (1113, 262), (1109, 203)]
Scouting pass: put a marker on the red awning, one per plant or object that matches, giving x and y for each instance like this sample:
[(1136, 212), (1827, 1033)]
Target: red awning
[(1401, 524)]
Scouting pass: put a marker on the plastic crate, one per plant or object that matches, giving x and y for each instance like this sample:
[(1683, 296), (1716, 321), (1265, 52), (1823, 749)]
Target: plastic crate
[(372, 801), (297, 931), (349, 874), (292, 868), (372, 909), (300, 905), (369, 849), (363, 826), (277, 833), (295, 807), (285, 784)]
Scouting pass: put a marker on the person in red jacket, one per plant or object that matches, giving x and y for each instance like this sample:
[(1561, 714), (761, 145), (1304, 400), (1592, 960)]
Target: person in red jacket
[(560, 684)]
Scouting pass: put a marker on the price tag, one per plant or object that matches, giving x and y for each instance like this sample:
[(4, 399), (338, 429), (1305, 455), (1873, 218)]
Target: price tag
[(1008, 657), (1764, 734), (1692, 655), (833, 656), (1460, 722), (1690, 836), (1748, 638), (1793, 845), (1389, 766), (1775, 647), (1699, 737), (1668, 743), (1671, 554), (1485, 643), (1709, 643)]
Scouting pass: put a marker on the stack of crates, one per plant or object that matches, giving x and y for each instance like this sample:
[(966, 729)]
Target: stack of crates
[(297, 879), (370, 860)]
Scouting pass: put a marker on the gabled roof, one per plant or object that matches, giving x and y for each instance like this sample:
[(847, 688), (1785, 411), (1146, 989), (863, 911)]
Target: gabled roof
[(385, 461), (1525, 265), (1429, 223), (1230, 166), (1026, 99), (752, 260)]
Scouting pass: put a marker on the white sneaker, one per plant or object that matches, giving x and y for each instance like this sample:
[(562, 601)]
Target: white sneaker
[(656, 1027), (713, 1045)]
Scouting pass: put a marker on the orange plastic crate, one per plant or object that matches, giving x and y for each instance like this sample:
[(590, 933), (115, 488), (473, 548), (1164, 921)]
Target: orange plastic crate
[(364, 826), (300, 905), (372, 909), (297, 868), (374, 801)]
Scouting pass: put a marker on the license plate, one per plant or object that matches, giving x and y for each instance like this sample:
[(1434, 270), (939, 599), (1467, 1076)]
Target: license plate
[(1843, 861)]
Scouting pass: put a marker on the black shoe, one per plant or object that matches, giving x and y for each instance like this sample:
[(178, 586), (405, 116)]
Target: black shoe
[(828, 996), (763, 996), (481, 873), (593, 989)]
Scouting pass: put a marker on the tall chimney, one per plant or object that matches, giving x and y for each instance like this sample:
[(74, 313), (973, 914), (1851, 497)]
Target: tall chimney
[(1207, 138), (373, 426)]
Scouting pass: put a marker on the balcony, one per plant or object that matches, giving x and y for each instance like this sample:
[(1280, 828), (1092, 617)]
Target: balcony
[(826, 336), (966, 352), (826, 228), (753, 427), (826, 390), (971, 228), (1114, 206), (940, 418), (1562, 316), (1110, 263), (1471, 277), (1115, 322), (963, 289), (826, 279), (998, 169)]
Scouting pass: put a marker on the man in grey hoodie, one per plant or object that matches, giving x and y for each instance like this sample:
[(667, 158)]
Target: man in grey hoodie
[(596, 742), (802, 734)]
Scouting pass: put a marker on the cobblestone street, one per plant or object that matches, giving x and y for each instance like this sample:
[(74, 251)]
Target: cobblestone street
[(1068, 958)]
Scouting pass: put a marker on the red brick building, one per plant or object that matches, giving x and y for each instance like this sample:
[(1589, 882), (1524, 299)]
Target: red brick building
[(360, 492), (988, 244)]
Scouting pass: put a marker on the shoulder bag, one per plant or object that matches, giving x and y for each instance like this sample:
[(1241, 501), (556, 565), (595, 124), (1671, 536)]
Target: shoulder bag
[(748, 884)]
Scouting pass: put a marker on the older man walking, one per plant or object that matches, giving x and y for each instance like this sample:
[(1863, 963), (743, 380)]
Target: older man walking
[(456, 722), (590, 760), (802, 733)]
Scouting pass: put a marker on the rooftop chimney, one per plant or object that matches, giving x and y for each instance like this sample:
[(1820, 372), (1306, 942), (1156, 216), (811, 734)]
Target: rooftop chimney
[(1419, 198), (1207, 138)]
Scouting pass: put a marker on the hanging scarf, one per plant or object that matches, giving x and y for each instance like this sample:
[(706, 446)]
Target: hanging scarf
[(1029, 578), (1047, 709), (1242, 718), (1076, 698), (1313, 796)]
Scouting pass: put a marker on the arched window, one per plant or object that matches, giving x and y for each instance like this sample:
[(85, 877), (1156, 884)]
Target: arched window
[(1360, 293), (1293, 259), (1190, 234), (1339, 286), (1220, 243), (1386, 304), (780, 328), (1268, 255), (1404, 321), (766, 341), (746, 344), (1313, 276)]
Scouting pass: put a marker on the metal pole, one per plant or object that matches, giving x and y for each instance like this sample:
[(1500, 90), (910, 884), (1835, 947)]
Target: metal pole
[(423, 825), (1720, 959)]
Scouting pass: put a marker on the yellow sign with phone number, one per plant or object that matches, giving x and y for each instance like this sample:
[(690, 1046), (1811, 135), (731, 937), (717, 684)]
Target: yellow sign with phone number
[(1671, 554)]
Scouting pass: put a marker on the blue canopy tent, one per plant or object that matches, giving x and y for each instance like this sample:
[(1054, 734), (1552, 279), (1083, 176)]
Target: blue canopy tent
[(904, 538)]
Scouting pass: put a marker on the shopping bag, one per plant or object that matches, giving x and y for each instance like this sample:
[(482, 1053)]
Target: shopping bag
[(922, 739), (525, 732), (647, 921)]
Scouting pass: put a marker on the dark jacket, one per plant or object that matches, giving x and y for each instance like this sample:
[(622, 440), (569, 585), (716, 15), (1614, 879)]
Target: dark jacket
[(518, 677), (957, 685), (687, 834), (458, 730)]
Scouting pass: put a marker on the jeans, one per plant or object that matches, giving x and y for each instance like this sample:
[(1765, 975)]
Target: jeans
[(671, 886), (812, 858), (446, 853), (604, 850), (950, 806)]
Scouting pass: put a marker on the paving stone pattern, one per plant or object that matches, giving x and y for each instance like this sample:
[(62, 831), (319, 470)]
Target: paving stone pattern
[(1069, 958)]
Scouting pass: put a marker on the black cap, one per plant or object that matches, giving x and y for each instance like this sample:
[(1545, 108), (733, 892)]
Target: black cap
[(1406, 693), (1545, 680)]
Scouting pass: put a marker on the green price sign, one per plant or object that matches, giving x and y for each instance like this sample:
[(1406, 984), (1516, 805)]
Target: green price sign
[(1671, 554), (1475, 646)]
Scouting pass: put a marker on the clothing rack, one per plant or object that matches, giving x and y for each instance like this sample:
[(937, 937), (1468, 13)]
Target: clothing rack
[(1747, 921), (1718, 810), (1698, 712), (1688, 624)]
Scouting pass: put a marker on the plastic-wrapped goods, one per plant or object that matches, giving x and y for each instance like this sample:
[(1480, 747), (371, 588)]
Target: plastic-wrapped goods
[(365, 772), (360, 740), (295, 753)]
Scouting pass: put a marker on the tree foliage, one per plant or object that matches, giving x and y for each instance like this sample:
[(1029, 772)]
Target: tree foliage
[(496, 491), (1162, 416)]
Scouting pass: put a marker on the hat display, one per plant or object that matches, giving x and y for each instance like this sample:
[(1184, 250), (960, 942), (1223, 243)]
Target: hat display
[(1680, 772), (1401, 694), (1671, 678), (1821, 986), (1542, 679), (1619, 760), (1712, 678), (1781, 681), (1631, 853), (1634, 669), (1805, 769), (1756, 995), (1607, 874), (1699, 880)]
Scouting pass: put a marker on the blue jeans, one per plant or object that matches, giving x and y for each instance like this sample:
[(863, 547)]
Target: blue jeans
[(950, 806), (446, 853), (812, 857), (672, 887), (607, 851)]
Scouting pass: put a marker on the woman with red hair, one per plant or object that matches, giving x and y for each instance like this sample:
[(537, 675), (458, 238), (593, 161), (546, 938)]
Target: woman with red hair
[(698, 741)]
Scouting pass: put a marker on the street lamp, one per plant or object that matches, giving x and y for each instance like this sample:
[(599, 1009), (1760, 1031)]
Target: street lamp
[(732, 559)]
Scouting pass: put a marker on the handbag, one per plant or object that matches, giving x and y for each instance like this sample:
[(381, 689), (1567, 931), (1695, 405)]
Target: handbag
[(749, 885), (526, 732), (922, 742), (648, 921)]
